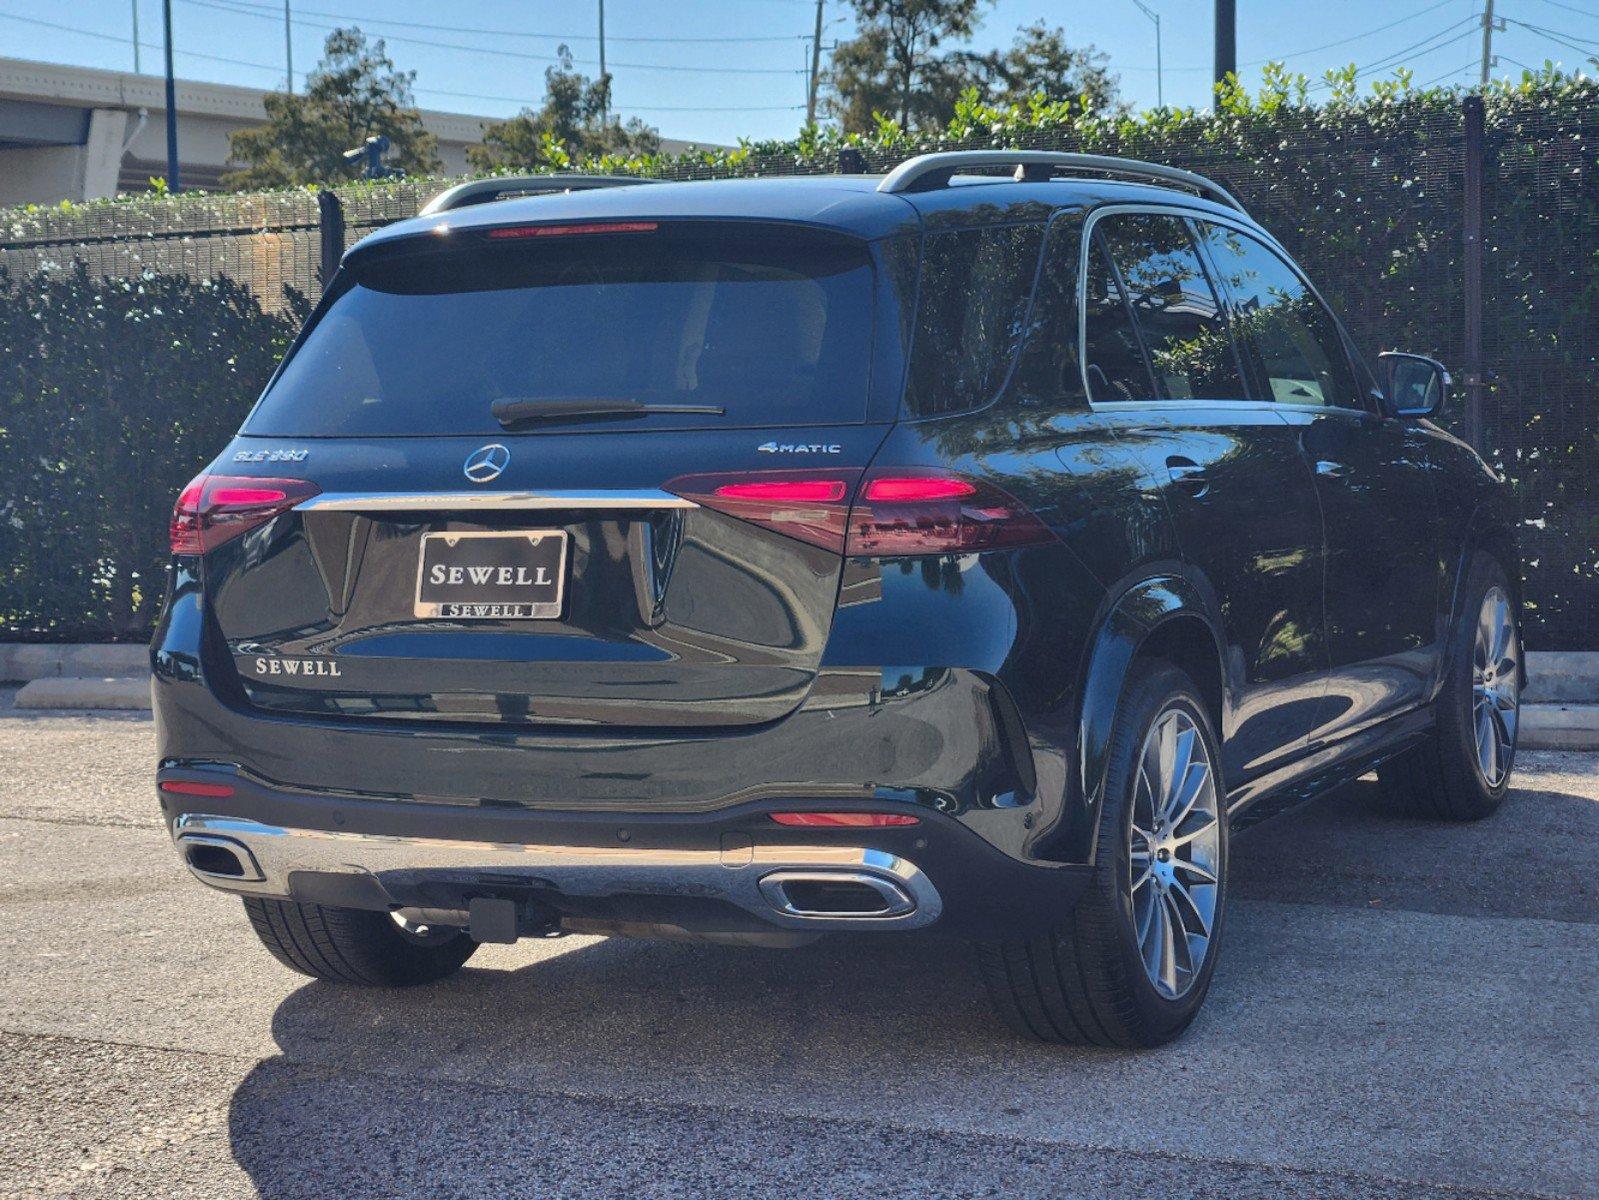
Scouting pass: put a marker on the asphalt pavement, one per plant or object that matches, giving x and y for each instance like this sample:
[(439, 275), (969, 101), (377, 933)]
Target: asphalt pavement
[(1401, 1010)]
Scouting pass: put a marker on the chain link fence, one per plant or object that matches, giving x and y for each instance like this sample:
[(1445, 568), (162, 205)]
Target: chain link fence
[(1377, 202)]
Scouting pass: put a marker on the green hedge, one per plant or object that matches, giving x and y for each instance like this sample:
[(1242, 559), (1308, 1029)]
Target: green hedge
[(113, 393)]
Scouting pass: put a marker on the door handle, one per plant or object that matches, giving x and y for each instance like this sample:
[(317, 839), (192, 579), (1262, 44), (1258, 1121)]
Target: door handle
[(1329, 469), (1188, 475)]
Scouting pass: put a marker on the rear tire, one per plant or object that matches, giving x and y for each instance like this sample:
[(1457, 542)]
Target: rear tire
[(1462, 771), (1106, 976), (353, 946)]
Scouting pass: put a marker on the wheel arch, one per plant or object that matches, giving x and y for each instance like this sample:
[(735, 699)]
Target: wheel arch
[(1170, 616), (1491, 531)]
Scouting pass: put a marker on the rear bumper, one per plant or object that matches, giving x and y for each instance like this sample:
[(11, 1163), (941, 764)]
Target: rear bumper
[(721, 873)]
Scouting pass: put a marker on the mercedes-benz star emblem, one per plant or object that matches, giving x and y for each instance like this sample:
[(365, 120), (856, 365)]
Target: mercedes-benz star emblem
[(487, 463)]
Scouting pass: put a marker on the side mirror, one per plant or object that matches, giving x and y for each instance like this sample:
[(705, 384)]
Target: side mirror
[(1414, 385)]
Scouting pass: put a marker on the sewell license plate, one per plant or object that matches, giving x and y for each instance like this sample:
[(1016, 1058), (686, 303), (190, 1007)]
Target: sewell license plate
[(492, 576)]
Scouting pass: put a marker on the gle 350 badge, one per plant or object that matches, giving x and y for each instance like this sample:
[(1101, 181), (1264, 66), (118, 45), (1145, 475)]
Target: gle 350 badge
[(291, 455)]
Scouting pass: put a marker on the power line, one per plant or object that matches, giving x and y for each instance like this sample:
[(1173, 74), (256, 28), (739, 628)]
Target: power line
[(1415, 49), (239, 62), (222, 6), (1420, 12), (1287, 54), (269, 11), (1427, 45), (1568, 39), (1465, 66), (122, 41), (1517, 62), (1585, 12), (630, 107)]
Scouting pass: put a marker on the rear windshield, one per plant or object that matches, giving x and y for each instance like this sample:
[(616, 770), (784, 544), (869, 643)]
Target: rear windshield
[(772, 326)]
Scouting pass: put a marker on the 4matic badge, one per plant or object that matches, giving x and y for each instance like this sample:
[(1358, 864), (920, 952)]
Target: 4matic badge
[(793, 448)]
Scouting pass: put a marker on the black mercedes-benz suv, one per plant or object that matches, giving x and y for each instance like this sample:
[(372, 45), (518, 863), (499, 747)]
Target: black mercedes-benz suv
[(961, 550)]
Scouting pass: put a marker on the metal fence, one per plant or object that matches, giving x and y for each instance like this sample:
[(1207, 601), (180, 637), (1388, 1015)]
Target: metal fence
[(1451, 227)]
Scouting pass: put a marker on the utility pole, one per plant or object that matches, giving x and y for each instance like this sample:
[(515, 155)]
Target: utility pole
[(1226, 40), (136, 69), (1487, 40), (288, 46), (173, 184), (816, 66), (602, 57), (1160, 71)]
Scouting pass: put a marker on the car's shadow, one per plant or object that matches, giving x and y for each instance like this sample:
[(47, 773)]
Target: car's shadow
[(376, 1079)]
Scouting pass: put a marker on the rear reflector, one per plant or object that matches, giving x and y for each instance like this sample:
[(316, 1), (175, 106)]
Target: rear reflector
[(188, 787), (213, 509), (851, 819), (538, 231)]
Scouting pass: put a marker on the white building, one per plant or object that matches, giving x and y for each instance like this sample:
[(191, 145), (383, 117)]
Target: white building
[(81, 133)]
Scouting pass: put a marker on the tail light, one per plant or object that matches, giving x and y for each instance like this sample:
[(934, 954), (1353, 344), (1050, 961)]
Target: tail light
[(213, 509), (812, 506), (904, 512), (896, 512)]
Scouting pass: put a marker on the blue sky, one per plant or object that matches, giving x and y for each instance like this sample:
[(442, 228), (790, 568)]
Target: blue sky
[(717, 90)]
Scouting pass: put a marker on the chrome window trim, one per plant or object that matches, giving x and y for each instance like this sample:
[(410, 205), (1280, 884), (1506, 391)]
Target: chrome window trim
[(1232, 405), (1243, 226)]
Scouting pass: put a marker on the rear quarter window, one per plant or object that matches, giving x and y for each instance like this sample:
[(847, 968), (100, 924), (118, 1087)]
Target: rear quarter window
[(971, 316)]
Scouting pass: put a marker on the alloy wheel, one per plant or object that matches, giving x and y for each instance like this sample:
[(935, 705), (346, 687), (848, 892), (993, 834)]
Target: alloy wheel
[(1174, 848), (1495, 687)]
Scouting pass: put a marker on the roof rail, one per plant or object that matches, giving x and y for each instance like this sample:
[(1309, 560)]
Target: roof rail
[(505, 187), (928, 171)]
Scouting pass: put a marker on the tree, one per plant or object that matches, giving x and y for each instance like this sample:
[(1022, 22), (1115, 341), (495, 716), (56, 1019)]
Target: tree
[(574, 123), (354, 93), (894, 66), (1040, 62)]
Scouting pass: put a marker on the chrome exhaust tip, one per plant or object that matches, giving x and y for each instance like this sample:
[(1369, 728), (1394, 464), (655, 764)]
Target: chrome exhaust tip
[(213, 857), (836, 895)]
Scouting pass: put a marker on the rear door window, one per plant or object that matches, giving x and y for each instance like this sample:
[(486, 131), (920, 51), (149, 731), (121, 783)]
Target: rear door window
[(1116, 366), (1181, 325), (971, 315), (1289, 342), (772, 326)]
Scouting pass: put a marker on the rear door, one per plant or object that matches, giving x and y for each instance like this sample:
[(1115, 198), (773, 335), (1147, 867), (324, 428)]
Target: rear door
[(1241, 499), (1372, 477), (650, 533)]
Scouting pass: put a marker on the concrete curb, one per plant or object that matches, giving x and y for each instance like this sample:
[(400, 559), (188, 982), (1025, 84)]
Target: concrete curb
[(127, 693), (1559, 727), (1562, 677), (24, 661)]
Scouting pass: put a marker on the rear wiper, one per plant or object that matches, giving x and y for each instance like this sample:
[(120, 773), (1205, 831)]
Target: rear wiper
[(511, 413)]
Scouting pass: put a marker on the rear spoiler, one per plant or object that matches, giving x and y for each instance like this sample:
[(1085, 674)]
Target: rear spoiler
[(506, 187)]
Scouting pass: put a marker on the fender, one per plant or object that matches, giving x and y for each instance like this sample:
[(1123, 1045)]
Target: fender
[(1492, 527), (1130, 616)]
